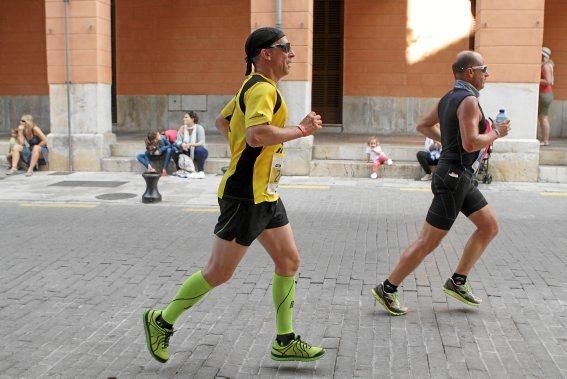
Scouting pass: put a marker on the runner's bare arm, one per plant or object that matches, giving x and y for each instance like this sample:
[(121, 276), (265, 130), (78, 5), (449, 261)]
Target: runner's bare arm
[(268, 135), (469, 116), (429, 125), (222, 125)]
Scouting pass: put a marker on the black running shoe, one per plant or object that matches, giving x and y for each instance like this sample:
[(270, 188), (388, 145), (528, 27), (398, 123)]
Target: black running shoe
[(462, 292), (390, 301)]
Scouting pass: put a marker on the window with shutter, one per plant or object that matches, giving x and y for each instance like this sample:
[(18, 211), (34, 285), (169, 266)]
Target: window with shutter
[(327, 87)]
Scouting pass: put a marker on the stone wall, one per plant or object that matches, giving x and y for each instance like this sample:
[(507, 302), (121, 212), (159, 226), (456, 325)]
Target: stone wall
[(384, 115), (142, 113), (558, 119), (13, 107)]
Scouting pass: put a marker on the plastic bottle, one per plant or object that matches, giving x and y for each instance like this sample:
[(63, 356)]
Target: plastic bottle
[(501, 117)]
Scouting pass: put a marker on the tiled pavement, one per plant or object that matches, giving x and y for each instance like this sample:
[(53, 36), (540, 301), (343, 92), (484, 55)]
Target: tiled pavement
[(76, 273)]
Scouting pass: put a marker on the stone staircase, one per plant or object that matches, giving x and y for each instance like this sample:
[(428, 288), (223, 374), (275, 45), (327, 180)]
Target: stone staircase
[(334, 154), (553, 162), (343, 155)]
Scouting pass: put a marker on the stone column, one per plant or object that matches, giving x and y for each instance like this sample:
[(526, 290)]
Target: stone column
[(90, 80), (509, 35), (297, 23)]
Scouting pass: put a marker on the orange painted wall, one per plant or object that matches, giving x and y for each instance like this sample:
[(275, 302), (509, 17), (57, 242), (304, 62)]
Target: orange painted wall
[(509, 35), (89, 41), (180, 47), (375, 54), (555, 37), (23, 63)]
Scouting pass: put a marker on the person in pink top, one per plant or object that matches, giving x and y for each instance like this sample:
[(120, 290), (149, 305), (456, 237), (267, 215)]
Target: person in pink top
[(171, 135), (545, 94)]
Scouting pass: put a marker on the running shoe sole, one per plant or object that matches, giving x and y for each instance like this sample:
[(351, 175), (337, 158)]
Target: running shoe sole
[(456, 296), (294, 358)]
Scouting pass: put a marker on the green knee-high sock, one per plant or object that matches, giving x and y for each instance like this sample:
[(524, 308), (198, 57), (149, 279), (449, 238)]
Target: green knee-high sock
[(191, 291), (283, 293)]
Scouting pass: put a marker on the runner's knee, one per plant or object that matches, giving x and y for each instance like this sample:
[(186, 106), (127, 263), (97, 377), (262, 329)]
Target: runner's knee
[(288, 265), (424, 245), (216, 276), (490, 228)]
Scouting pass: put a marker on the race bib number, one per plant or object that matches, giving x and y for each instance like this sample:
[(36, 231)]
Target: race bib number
[(275, 173)]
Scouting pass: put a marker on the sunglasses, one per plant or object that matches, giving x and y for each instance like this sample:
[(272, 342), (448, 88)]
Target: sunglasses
[(286, 47), (24, 121), (484, 68)]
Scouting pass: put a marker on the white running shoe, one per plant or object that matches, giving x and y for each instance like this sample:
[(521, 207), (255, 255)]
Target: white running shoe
[(193, 175), (426, 178), (201, 175), (374, 175), (389, 162)]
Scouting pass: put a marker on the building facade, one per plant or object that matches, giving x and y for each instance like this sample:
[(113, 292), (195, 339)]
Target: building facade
[(373, 67)]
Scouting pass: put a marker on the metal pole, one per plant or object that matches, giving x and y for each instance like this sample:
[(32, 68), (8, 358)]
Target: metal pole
[(278, 14), (68, 84)]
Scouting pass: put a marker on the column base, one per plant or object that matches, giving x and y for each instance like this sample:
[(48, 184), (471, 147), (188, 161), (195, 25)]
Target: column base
[(298, 154), (515, 160), (87, 151), (297, 96)]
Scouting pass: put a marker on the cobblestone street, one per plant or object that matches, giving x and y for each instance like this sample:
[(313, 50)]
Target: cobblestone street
[(76, 274)]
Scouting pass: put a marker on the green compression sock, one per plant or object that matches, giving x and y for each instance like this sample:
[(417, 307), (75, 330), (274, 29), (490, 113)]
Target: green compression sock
[(283, 293), (191, 291)]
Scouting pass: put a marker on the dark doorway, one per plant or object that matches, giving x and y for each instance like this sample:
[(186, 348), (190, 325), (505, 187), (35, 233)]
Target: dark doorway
[(113, 53), (327, 90)]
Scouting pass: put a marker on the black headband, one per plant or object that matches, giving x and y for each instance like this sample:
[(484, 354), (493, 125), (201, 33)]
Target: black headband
[(260, 39)]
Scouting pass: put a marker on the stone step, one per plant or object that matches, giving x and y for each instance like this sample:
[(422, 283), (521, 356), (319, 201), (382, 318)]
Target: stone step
[(121, 164), (4, 163), (553, 155), (362, 169), (130, 164), (552, 174), (357, 151)]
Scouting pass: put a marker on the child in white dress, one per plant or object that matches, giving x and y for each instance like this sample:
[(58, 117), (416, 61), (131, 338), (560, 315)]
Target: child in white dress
[(375, 155)]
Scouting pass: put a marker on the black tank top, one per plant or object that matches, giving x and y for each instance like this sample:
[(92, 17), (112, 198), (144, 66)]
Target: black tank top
[(453, 151)]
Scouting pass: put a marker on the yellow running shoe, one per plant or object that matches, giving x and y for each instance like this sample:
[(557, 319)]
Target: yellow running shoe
[(296, 350), (157, 338)]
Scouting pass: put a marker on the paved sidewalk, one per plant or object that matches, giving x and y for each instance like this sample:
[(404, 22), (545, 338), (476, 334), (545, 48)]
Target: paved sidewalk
[(76, 272)]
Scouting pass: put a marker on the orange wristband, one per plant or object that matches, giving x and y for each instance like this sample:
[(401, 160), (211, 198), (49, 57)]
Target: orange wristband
[(302, 130)]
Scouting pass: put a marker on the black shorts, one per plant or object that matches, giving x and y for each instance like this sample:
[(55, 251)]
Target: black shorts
[(245, 221), (454, 191)]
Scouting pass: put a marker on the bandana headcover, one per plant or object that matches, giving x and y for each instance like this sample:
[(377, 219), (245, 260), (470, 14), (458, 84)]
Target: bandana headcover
[(260, 39)]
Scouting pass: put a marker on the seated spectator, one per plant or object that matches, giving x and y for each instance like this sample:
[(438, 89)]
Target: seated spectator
[(375, 155), (429, 157), (191, 141), (30, 146), (156, 144)]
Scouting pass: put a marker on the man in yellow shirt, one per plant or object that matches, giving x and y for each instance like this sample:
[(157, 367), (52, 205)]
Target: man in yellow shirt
[(254, 124)]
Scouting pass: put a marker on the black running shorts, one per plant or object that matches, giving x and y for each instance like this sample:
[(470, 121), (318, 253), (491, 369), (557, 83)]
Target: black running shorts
[(245, 221), (454, 191)]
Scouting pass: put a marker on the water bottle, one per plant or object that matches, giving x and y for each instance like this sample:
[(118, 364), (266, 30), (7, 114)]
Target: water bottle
[(501, 117)]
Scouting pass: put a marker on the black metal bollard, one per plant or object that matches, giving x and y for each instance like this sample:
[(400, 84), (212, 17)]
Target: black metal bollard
[(152, 194)]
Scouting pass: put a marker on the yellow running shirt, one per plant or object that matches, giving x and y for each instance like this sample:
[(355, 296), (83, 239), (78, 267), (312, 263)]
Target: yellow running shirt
[(257, 102)]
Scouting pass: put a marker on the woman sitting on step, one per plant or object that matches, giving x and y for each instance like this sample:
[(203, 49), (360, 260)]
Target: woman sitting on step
[(31, 146), (191, 142)]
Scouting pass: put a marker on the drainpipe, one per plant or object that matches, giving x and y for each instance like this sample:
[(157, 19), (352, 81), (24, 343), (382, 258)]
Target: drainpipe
[(68, 85), (278, 14)]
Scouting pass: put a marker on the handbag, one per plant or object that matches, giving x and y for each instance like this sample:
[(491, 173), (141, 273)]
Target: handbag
[(185, 163)]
